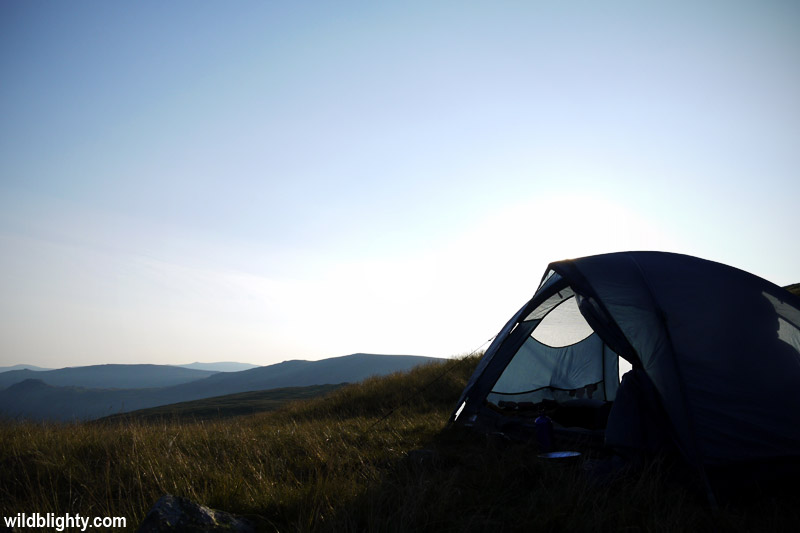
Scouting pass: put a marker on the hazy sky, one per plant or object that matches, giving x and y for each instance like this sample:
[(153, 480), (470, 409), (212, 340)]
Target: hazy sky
[(261, 181)]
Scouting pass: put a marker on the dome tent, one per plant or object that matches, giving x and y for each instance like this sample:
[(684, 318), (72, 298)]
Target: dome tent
[(717, 348)]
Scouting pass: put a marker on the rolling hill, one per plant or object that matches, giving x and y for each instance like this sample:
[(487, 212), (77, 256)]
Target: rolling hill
[(37, 400), (301, 373), (22, 367), (218, 407), (108, 376), (226, 366)]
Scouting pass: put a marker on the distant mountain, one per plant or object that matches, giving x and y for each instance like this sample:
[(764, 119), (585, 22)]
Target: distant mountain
[(220, 367), (22, 367), (300, 373), (108, 376), (34, 399)]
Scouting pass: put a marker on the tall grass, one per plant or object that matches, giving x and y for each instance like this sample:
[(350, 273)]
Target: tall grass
[(292, 467), (341, 464)]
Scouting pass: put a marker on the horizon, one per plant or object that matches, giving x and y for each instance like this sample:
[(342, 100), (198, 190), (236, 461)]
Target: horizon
[(212, 362), (265, 182)]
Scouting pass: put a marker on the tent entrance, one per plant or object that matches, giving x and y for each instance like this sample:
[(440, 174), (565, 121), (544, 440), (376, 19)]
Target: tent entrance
[(562, 366)]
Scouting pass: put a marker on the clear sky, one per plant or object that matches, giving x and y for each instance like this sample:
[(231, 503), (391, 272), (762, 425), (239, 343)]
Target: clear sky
[(262, 181)]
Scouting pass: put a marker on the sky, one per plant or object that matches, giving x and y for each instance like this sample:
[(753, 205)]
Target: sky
[(263, 181)]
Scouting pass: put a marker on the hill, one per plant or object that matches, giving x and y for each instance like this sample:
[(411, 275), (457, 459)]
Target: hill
[(40, 401), (244, 403), (226, 366), (794, 289), (108, 376), (34, 399), (301, 373), (22, 367)]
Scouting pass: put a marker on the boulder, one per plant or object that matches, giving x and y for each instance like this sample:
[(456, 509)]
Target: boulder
[(174, 513)]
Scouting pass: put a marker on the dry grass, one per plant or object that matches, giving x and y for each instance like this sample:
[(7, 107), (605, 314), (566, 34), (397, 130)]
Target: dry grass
[(293, 467)]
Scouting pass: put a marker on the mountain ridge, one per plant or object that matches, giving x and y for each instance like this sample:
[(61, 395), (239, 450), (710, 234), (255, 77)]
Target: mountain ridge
[(108, 376), (220, 366), (49, 402), (23, 367)]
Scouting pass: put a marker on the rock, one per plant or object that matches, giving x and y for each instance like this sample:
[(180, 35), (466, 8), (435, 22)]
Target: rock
[(174, 513)]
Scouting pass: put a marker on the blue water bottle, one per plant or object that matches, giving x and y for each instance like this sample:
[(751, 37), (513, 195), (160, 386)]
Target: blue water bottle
[(544, 433)]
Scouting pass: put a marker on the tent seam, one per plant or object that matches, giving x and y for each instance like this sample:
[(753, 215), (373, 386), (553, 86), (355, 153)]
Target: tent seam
[(679, 374)]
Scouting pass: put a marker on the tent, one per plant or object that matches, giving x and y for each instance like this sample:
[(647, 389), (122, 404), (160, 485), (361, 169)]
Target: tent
[(714, 352)]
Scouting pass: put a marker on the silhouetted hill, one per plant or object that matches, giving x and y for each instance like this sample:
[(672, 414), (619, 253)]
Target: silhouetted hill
[(794, 289), (109, 376), (22, 367), (220, 367), (301, 373), (34, 399)]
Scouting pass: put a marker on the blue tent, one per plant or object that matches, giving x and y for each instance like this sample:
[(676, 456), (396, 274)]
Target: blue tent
[(715, 352)]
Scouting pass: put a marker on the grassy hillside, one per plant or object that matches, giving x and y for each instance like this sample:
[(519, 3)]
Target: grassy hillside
[(794, 289), (347, 462), (245, 403)]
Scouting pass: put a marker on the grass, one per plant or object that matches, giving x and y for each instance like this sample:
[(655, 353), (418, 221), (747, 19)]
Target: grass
[(347, 462), (794, 289)]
